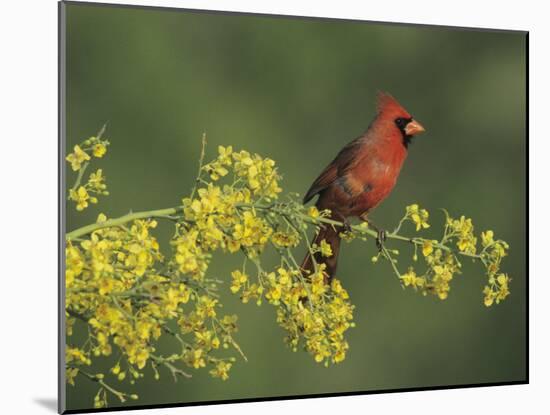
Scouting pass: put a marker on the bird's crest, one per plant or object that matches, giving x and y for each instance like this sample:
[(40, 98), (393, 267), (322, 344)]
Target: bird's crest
[(388, 105)]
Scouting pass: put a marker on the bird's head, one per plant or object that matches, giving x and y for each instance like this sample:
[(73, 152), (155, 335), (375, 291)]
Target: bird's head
[(394, 117)]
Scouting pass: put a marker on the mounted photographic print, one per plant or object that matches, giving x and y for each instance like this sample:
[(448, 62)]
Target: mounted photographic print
[(259, 207)]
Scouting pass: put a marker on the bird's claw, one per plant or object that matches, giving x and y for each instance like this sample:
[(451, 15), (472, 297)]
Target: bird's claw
[(380, 234), (380, 239), (347, 226)]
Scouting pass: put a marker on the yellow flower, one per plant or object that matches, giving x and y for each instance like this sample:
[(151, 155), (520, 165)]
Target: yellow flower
[(411, 279), (325, 249), (189, 256), (418, 216), (140, 358), (221, 370), (224, 154), (238, 280), (464, 228), (174, 296), (489, 296), (285, 278), (274, 294), (106, 285), (252, 231), (503, 290), (195, 358), (143, 329), (442, 274), (497, 290), (81, 197), (487, 238), (77, 158), (502, 280), (74, 264), (260, 174), (216, 170), (71, 375), (427, 248), (313, 212), (285, 239), (116, 369), (97, 181), (206, 306), (337, 289), (99, 150), (253, 291), (74, 354)]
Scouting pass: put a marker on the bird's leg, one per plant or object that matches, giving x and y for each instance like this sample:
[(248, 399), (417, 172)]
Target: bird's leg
[(346, 225), (381, 233)]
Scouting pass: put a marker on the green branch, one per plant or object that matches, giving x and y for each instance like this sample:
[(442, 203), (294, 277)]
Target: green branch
[(277, 208), (280, 209), (110, 223)]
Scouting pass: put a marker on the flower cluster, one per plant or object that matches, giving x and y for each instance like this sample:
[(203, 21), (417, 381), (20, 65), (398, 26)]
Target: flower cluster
[(258, 173), (315, 313), (442, 257), (463, 230), (79, 159), (442, 266), (114, 287), (492, 253), (229, 217), (120, 285), (312, 312), (126, 295)]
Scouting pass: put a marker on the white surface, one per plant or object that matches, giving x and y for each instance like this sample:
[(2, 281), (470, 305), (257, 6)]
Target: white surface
[(28, 94)]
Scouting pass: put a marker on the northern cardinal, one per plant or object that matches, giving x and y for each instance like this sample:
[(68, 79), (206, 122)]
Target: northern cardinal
[(362, 175)]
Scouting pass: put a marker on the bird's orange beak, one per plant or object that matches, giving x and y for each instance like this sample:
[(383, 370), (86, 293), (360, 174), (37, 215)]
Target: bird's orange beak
[(413, 128)]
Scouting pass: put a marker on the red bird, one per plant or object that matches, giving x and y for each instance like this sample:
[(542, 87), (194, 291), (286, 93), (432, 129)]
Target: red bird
[(362, 175)]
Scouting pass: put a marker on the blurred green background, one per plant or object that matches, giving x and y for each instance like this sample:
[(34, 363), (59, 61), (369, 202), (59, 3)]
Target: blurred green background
[(297, 90)]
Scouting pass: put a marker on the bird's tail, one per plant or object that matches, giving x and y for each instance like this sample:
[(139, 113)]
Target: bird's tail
[(331, 235)]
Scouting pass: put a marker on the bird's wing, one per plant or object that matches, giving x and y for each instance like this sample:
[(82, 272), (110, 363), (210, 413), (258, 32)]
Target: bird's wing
[(336, 170)]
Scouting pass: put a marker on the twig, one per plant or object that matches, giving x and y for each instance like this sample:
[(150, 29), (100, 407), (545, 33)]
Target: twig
[(201, 160), (173, 369), (80, 175), (120, 395)]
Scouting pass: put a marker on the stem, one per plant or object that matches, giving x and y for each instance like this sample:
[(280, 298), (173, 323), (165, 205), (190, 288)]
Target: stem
[(183, 343), (159, 213), (275, 208), (102, 131), (173, 369), (387, 255), (233, 342), (201, 160), (120, 395), (315, 221), (80, 175)]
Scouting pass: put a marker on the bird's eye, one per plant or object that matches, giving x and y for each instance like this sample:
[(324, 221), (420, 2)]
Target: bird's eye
[(402, 122)]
